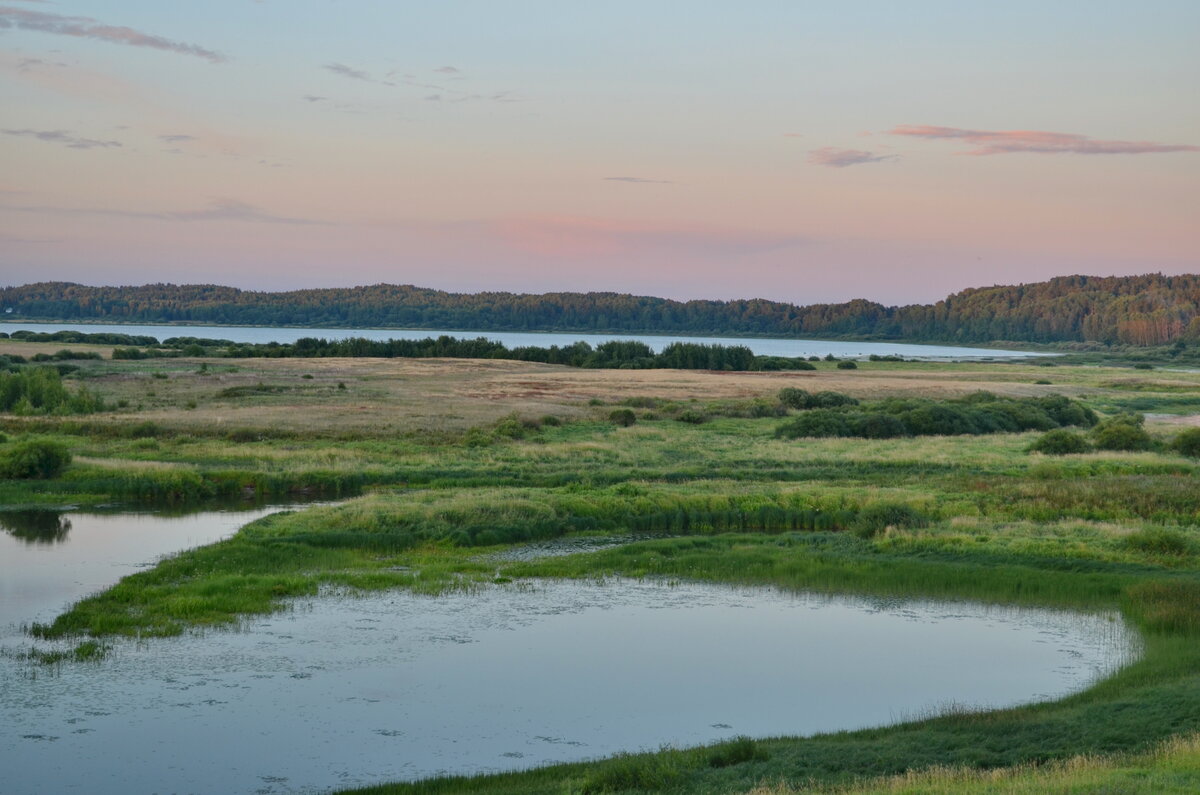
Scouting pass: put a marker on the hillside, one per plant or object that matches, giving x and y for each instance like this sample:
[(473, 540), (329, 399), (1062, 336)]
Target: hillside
[(1137, 310)]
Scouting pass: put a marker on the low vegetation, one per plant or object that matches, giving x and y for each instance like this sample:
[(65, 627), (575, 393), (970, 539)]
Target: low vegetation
[(690, 466)]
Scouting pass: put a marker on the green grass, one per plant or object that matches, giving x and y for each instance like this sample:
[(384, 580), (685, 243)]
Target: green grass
[(965, 517)]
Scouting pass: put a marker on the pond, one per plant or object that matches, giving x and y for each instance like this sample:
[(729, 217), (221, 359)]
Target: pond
[(348, 690), (49, 559)]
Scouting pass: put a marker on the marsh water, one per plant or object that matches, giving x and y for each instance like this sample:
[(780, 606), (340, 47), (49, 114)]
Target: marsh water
[(512, 339), (348, 690)]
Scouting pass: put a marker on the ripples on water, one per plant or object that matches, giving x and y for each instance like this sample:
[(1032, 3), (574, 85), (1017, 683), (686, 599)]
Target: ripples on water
[(348, 690)]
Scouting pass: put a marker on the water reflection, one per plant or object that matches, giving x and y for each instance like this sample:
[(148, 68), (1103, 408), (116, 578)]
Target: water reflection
[(36, 526), (355, 689)]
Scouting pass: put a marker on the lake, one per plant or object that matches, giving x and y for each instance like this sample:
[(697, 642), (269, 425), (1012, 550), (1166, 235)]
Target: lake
[(760, 346), (348, 690)]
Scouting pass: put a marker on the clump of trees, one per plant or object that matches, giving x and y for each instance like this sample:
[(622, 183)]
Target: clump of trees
[(40, 390), (978, 413)]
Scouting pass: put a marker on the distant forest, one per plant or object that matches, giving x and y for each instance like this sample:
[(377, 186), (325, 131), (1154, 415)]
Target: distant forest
[(1134, 310)]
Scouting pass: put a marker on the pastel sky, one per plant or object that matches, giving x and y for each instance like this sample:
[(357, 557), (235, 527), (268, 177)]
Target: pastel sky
[(797, 151)]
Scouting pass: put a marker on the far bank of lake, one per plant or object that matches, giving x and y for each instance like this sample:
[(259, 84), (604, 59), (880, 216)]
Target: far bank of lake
[(759, 345)]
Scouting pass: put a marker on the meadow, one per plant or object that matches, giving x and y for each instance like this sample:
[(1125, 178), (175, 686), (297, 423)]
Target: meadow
[(442, 462)]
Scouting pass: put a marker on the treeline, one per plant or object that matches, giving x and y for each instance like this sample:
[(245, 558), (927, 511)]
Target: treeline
[(616, 354), (1134, 310)]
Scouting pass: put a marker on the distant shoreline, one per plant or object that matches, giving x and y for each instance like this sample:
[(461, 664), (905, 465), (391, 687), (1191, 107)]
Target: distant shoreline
[(1032, 347)]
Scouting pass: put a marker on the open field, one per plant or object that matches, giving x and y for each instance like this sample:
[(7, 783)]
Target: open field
[(455, 459)]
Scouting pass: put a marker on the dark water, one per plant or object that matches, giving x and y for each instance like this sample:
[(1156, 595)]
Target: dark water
[(349, 690), (760, 346), (49, 559)]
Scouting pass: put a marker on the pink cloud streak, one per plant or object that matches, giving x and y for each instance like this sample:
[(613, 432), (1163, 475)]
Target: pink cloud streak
[(88, 28), (1000, 142)]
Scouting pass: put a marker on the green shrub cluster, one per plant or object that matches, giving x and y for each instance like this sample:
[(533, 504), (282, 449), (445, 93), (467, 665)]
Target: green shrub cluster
[(794, 398), (1060, 441), (1188, 443), (40, 390), (34, 459), (978, 413), (1122, 432), (623, 417)]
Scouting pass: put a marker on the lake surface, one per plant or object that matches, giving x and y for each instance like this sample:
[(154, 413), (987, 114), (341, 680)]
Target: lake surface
[(50, 559), (760, 346), (352, 690)]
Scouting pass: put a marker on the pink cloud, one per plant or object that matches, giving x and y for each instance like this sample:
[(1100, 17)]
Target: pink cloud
[(1001, 142), (88, 28), (841, 158)]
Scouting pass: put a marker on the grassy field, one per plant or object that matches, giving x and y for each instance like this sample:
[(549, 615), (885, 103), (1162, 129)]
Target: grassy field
[(444, 461)]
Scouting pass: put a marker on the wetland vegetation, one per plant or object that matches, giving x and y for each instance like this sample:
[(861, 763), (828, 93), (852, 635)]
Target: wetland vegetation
[(447, 461)]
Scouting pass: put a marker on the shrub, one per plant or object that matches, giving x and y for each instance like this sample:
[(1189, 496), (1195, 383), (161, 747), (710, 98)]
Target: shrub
[(1143, 366), (793, 398), (831, 400), (550, 421), (692, 416), (623, 417), (815, 423), (510, 427), (1060, 442), (876, 425), (1187, 443), (40, 390), (847, 364), (1122, 432), (876, 518), (36, 458), (764, 408)]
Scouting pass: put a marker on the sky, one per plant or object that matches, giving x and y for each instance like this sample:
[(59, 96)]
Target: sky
[(796, 151)]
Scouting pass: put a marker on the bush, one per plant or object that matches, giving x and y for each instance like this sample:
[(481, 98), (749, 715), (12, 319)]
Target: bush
[(831, 400), (815, 423), (793, 398), (623, 417), (1060, 442), (876, 425), (874, 519), (978, 413), (34, 459), (40, 390), (1122, 432), (1187, 443), (692, 416), (764, 408), (847, 364)]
